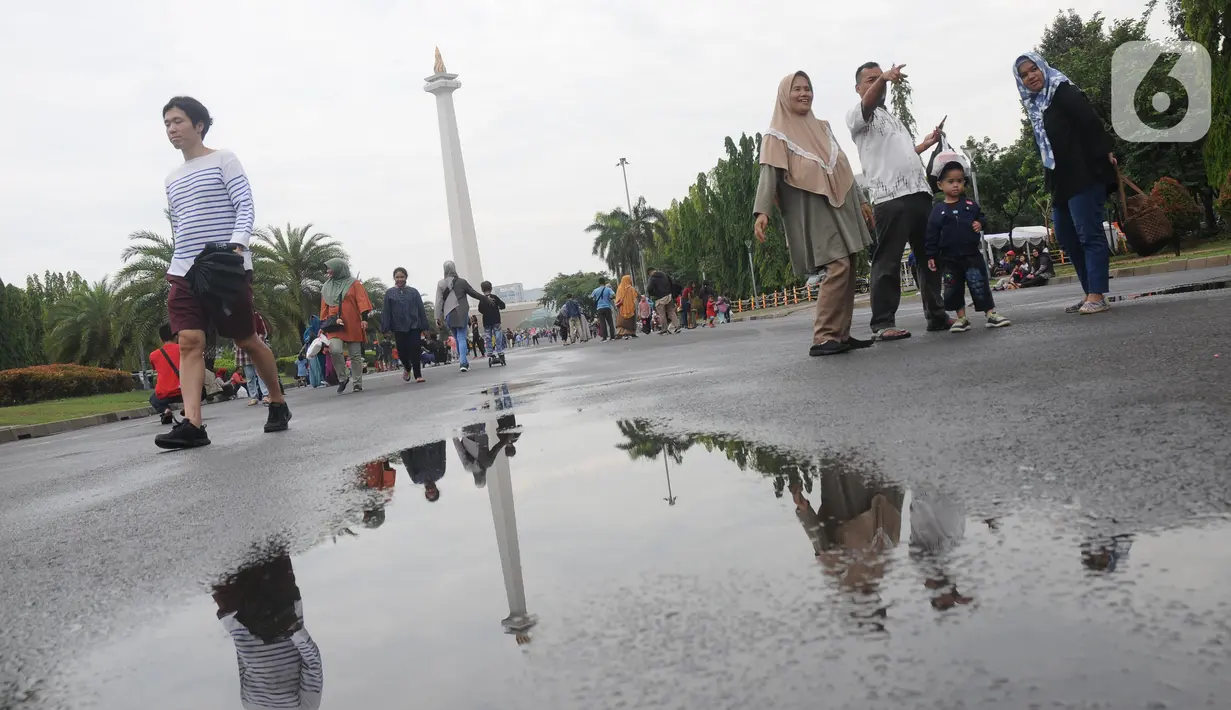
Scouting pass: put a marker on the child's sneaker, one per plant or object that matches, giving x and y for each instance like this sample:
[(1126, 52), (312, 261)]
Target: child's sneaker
[(995, 320), (960, 325)]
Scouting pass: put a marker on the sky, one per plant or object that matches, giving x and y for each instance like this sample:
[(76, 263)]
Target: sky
[(323, 102)]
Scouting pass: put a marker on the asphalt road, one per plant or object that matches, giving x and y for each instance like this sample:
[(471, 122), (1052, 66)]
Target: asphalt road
[(1079, 438)]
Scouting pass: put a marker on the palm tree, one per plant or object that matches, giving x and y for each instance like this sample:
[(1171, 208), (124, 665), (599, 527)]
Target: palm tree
[(87, 328), (141, 286), (620, 239), (296, 260)]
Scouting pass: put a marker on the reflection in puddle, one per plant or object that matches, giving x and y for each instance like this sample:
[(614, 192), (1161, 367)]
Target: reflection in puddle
[(892, 597)]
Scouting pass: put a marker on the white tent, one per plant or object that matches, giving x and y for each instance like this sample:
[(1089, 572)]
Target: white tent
[(1021, 235)]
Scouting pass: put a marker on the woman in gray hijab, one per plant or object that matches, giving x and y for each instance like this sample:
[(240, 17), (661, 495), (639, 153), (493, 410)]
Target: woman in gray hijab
[(453, 308)]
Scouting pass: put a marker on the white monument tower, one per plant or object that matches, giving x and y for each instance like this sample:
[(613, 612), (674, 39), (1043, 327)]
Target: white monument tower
[(461, 218)]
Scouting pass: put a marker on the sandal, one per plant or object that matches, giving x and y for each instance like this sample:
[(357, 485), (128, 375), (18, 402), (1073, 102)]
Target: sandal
[(420, 380), (892, 334)]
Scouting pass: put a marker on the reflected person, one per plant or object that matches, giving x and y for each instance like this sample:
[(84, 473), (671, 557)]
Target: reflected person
[(937, 525), (425, 464), (279, 664), (472, 449)]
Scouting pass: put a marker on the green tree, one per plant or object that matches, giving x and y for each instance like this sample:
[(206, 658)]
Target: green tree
[(706, 234), (620, 239), (142, 285), (295, 258), (87, 327), (1209, 23), (19, 311), (562, 287)]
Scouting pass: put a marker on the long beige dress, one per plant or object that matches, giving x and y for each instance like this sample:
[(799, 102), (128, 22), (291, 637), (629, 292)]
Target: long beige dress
[(816, 233), (819, 235)]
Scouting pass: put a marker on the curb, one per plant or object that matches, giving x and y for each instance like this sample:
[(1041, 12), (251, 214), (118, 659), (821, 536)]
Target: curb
[(35, 431), (1207, 262)]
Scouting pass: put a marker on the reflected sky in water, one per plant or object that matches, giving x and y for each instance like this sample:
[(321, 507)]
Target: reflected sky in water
[(565, 561)]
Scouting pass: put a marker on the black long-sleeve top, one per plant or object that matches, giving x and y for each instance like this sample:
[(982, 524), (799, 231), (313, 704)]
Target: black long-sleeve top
[(1080, 144)]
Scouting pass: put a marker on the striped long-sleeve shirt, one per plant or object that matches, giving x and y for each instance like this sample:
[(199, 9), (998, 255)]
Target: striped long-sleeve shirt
[(284, 674), (210, 202)]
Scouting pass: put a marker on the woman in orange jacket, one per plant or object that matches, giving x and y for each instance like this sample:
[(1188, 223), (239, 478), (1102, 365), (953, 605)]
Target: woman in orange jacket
[(343, 295)]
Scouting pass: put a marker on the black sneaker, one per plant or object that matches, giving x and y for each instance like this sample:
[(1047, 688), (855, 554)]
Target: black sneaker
[(357, 388), (829, 347), (168, 418), (184, 435), (279, 417), (342, 385)]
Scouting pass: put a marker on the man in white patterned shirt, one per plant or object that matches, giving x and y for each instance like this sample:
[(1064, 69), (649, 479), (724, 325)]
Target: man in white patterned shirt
[(901, 199), (210, 203)]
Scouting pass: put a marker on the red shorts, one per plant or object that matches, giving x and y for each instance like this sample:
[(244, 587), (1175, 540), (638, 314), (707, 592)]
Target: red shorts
[(187, 312)]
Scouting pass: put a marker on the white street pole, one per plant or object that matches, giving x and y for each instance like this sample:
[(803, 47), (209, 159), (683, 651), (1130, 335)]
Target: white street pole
[(622, 165), (752, 270)]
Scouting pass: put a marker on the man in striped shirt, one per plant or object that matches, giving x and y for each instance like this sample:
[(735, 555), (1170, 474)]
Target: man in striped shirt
[(210, 203)]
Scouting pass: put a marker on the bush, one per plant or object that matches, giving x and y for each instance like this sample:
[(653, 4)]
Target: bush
[(1178, 204), (1223, 204), (225, 362), (288, 366), (44, 382)]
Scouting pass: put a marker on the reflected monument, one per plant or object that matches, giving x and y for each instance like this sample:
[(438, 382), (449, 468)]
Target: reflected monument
[(442, 84)]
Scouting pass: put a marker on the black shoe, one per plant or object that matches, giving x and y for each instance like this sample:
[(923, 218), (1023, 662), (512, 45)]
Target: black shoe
[(279, 417), (857, 344), (941, 325), (357, 388), (184, 435), (829, 347), (168, 418), (342, 385)]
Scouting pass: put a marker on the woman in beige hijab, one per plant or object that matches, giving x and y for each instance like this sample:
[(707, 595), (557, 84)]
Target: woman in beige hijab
[(805, 172)]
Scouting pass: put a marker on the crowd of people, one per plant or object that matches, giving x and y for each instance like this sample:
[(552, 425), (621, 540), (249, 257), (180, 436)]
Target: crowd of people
[(667, 308), (804, 173)]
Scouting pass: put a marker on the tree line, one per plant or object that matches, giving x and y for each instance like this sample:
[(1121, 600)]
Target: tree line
[(707, 233)]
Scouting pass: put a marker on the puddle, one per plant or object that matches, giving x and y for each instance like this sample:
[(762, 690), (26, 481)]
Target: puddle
[(548, 560), (1171, 290)]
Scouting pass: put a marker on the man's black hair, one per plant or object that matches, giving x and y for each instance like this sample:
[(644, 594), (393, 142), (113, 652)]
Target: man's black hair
[(195, 110), (951, 166), (602, 280), (862, 67), (164, 332), (402, 269), (485, 286)]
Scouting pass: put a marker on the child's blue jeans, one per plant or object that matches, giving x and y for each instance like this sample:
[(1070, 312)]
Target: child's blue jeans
[(962, 272), (495, 339)]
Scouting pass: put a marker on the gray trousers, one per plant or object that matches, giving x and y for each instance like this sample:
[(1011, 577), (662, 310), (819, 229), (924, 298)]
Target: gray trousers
[(900, 222), (338, 350)]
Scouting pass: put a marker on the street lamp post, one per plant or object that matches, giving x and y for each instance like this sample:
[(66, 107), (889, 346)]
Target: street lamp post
[(752, 269), (622, 165)]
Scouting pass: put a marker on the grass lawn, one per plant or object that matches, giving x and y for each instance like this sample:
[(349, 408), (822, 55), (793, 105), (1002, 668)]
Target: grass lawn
[(1125, 261), (57, 410)]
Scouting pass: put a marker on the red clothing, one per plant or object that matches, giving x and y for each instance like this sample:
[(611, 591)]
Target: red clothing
[(168, 384)]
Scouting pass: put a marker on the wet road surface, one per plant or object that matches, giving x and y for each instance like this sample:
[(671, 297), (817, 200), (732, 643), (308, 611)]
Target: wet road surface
[(1028, 517)]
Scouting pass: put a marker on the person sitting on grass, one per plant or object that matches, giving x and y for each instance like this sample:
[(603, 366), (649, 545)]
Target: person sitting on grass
[(165, 361), (952, 239)]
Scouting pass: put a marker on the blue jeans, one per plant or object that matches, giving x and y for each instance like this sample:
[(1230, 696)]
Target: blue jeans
[(255, 390), (495, 339), (460, 334), (1079, 229)]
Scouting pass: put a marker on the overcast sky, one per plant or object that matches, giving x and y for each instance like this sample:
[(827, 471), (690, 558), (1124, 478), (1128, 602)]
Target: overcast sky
[(323, 103)]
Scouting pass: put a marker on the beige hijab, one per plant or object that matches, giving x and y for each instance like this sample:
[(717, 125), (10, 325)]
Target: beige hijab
[(806, 149)]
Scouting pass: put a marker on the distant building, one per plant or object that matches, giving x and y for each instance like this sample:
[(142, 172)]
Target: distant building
[(510, 293), (516, 293)]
